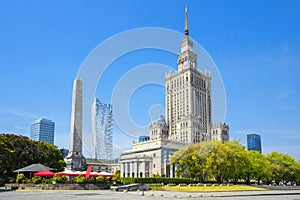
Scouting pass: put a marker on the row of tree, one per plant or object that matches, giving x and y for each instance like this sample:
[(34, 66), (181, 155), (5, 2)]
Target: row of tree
[(19, 151), (230, 161)]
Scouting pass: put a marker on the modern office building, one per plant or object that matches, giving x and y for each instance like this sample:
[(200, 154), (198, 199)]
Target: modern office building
[(102, 125), (64, 152), (254, 142), (42, 130), (188, 119)]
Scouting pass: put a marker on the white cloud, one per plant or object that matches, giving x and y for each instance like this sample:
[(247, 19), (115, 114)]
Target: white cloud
[(283, 94), (18, 113)]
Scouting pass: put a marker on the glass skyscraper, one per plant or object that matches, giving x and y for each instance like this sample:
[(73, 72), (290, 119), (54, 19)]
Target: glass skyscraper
[(102, 125), (42, 130), (254, 142)]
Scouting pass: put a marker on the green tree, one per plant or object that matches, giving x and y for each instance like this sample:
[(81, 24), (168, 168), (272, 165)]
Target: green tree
[(49, 155), (230, 161), (283, 166), (191, 160), (5, 159), (257, 168), (217, 163), (187, 161), (177, 159), (297, 172), (116, 177), (19, 151), (227, 161)]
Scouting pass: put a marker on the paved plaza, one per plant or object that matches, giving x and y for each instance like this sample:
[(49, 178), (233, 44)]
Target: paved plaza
[(106, 194)]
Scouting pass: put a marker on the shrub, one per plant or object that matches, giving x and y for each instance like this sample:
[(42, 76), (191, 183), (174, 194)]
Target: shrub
[(91, 180), (59, 179), (20, 178), (116, 178), (47, 181), (159, 180), (36, 179), (100, 179), (79, 179)]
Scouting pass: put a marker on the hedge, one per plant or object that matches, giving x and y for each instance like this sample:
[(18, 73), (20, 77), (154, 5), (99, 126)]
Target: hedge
[(160, 180)]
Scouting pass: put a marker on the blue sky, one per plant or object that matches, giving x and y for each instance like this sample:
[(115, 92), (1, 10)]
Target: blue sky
[(255, 45)]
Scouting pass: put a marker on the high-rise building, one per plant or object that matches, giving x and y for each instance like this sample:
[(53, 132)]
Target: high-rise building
[(102, 125), (188, 119), (188, 97), (254, 142), (75, 159), (42, 130)]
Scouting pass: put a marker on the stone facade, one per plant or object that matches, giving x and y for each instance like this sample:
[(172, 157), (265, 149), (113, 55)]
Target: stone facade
[(103, 165), (150, 158), (220, 132), (159, 129), (188, 119), (75, 158), (188, 98)]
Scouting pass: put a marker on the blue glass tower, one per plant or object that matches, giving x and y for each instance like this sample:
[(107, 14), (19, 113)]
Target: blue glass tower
[(102, 130), (254, 142), (42, 130)]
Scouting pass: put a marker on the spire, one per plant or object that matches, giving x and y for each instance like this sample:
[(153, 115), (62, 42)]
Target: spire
[(186, 26)]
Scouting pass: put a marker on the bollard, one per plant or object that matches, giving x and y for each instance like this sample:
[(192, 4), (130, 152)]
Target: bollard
[(141, 193)]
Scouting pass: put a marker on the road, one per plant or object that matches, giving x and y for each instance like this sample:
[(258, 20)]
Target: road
[(106, 194)]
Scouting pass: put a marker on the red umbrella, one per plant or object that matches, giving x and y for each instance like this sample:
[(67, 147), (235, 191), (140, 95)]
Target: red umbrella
[(77, 173), (43, 173), (106, 174), (69, 173), (93, 174)]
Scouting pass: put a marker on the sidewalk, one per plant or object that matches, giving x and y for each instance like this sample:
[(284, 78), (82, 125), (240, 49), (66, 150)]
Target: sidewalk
[(151, 195), (221, 194)]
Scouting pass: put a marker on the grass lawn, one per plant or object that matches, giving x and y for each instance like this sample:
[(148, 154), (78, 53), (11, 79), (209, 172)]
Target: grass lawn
[(204, 188)]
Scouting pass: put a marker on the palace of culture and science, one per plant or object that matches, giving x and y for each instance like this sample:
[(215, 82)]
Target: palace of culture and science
[(188, 119)]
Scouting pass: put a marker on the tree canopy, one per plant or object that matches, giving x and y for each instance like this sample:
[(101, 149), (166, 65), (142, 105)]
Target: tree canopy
[(19, 151), (230, 161)]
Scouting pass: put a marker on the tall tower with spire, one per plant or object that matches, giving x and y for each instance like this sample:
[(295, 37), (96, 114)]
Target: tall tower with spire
[(75, 158), (186, 24), (188, 97)]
